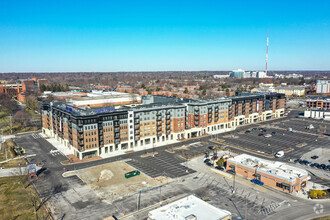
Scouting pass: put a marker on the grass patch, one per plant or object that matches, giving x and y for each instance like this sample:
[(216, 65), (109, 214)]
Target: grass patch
[(16, 201)]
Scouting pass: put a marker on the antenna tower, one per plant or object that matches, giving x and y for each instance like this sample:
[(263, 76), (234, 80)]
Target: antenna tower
[(267, 55)]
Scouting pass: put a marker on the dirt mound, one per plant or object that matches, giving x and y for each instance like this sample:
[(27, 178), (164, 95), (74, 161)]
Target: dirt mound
[(106, 175)]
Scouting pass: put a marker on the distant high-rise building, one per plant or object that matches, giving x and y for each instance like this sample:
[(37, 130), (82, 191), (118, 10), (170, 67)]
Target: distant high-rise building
[(239, 73), (323, 86)]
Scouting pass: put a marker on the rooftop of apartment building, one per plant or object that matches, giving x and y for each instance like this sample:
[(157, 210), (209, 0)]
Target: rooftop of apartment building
[(189, 207), (327, 98), (274, 168)]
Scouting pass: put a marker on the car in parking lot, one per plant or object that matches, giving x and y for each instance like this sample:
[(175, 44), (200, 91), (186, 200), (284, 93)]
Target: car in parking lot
[(309, 163), (315, 165), (247, 131), (279, 154), (258, 182), (209, 164), (260, 134), (206, 160), (322, 166), (304, 162), (254, 129), (219, 168), (273, 133), (314, 157), (297, 160), (231, 172), (267, 135)]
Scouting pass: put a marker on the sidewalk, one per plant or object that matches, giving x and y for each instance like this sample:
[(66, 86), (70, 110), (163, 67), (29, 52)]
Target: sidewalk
[(65, 150)]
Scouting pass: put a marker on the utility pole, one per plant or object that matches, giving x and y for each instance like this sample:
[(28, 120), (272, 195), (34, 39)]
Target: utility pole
[(1, 140), (11, 126)]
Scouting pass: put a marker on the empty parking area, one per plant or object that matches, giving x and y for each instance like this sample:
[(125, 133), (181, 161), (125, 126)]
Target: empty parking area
[(281, 140), (300, 124), (162, 164)]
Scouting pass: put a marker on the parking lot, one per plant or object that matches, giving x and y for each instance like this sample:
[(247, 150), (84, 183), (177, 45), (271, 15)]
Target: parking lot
[(294, 143), (300, 124), (161, 164)]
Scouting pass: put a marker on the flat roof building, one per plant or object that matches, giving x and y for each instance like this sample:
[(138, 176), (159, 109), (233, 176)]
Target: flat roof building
[(275, 174), (91, 131), (189, 208)]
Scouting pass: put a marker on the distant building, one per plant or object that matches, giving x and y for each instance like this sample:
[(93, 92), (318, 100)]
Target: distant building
[(221, 76), (277, 175), (323, 87), (247, 74), (239, 73), (289, 76), (317, 114), (319, 103), (189, 208), (105, 99), (22, 88), (291, 90)]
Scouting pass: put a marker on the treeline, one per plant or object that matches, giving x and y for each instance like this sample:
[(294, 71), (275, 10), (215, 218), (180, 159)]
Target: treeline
[(54, 88)]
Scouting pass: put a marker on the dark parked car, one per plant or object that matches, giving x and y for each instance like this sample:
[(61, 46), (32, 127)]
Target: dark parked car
[(297, 160), (315, 157), (315, 165), (258, 182), (247, 131), (206, 160), (219, 168), (254, 129), (209, 164), (231, 172), (322, 166), (304, 162), (260, 134), (273, 133)]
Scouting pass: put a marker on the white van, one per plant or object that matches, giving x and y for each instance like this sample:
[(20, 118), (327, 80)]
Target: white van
[(279, 154)]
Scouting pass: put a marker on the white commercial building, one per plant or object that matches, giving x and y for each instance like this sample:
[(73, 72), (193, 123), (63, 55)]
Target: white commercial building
[(317, 114), (189, 208)]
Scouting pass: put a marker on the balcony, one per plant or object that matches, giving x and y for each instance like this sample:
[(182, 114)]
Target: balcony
[(159, 114), (137, 121), (168, 127), (168, 122), (159, 129), (168, 117), (137, 132)]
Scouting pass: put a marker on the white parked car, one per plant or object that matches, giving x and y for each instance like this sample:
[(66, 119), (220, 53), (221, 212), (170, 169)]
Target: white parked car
[(267, 135), (279, 154)]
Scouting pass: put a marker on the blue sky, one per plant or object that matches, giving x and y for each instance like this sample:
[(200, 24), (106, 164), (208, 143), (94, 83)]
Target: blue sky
[(51, 36)]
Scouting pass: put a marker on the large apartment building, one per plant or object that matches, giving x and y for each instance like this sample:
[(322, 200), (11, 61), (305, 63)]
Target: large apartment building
[(102, 131)]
